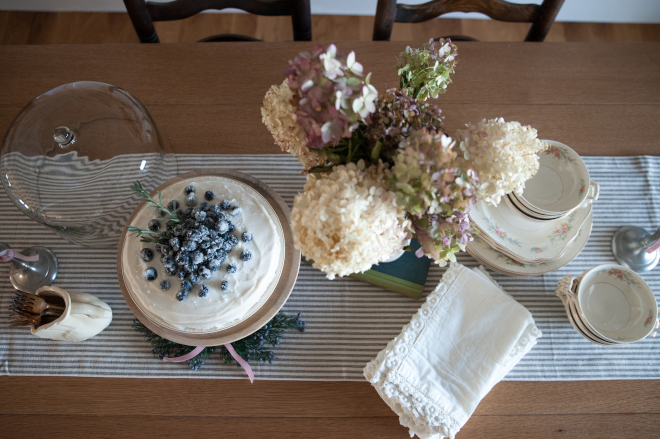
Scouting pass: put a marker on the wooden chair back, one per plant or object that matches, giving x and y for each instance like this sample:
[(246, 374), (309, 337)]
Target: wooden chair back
[(541, 16), (144, 13)]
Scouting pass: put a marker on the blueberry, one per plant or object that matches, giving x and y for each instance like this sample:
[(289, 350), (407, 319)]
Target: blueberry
[(204, 273), (181, 274), (194, 279), (172, 205), (225, 204), (167, 261), (215, 209), (246, 255), (146, 254), (221, 256), (179, 230), (189, 190), (231, 227), (232, 239), (203, 230), (246, 237), (158, 247), (221, 216), (197, 257), (206, 243), (209, 223), (231, 268), (150, 273), (181, 295), (226, 246), (193, 235), (180, 213), (189, 245), (203, 290), (170, 270), (186, 285), (175, 244), (199, 215), (189, 223), (164, 285), (235, 211), (191, 200), (224, 286), (214, 264), (209, 195), (154, 225), (165, 250), (182, 258), (222, 226)]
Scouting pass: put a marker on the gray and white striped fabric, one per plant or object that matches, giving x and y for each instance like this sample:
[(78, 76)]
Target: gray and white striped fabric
[(348, 322)]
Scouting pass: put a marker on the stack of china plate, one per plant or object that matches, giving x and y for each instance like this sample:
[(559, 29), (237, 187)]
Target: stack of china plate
[(609, 305), (543, 228)]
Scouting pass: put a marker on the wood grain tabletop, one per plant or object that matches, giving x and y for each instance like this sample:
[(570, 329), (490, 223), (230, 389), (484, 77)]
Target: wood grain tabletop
[(599, 98)]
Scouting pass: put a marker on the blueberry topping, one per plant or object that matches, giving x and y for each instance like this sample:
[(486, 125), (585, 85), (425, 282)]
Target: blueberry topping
[(246, 237), (172, 205), (194, 279), (224, 286), (157, 246), (203, 290), (214, 264), (165, 250), (232, 239), (226, 246), (186, 285), (154, 225), (170, 270), (231, 268), (199, 215), (164, 285), (246, 255), (231, 227), (204, 206), (167, 261), (209, 195), (235, 211), (225, 204), (189, 190), (146, 254), (181, 295), (191, 200), (197, 257), (175, 244), (181, 274), (150, 274)]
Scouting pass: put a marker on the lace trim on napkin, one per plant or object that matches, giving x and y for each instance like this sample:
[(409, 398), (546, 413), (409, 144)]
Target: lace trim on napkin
[(422, 415), (418, 412)]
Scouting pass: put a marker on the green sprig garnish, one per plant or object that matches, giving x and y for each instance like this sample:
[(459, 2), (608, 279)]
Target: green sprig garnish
[(142, 193)]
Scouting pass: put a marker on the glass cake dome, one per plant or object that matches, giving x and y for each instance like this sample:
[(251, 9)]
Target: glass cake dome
[(71, 154)]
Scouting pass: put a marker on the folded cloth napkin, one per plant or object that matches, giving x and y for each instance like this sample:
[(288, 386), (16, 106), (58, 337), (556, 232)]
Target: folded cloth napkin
[(466, 337)]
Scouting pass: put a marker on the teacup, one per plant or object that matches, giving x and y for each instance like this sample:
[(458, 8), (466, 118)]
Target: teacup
[(561, 185), (614, 303)]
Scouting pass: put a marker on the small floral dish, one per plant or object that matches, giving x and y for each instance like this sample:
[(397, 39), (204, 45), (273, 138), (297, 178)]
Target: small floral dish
[(561, 185), (616, 304), (523, 238), (532, 214)]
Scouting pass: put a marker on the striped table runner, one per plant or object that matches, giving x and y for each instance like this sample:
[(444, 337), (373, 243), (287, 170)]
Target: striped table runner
[(348, 321)]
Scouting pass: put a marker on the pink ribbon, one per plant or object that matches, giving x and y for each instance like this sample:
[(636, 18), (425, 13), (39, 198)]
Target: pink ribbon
[(192, 354), (9, 254)]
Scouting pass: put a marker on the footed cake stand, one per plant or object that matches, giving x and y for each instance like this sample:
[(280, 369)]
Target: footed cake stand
[(266, 309)]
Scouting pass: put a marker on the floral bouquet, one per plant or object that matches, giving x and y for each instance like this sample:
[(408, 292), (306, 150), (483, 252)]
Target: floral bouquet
[(380, 169)]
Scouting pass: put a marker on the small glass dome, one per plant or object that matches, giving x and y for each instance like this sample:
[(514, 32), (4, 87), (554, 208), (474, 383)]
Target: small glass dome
[(71, 154)]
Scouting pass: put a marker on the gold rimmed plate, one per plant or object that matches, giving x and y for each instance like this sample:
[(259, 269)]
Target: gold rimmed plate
[(264, 311)]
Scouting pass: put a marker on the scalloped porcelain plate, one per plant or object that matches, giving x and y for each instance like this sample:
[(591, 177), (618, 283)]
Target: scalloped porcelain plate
[(496, 261), (525, 238)]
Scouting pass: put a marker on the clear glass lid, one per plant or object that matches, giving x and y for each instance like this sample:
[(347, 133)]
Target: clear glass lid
[(71, 154)]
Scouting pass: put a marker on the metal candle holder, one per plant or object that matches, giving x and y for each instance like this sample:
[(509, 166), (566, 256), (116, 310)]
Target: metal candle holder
[(635, 248), (30, 276)]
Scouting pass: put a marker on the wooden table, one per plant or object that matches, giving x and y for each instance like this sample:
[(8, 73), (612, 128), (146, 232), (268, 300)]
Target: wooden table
[(600, 98)]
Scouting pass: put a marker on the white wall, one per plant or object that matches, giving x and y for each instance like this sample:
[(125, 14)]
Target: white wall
[(606, 11)]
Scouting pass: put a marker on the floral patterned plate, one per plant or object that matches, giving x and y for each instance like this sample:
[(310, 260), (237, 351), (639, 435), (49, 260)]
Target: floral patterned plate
[(523, 238), (560, 185), (495, 260), (616, 303)]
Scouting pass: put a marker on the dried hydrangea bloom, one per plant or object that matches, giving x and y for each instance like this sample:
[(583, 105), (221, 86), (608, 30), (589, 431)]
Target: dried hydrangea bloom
[(331, 95), (279, 116), (505, 154), (429, 176), (442, 237), (397, 115), (349, 220), (425, 72)]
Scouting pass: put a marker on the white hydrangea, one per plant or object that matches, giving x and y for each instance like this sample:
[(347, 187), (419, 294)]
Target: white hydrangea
[(504, 154), (349, 220), (279, 116)]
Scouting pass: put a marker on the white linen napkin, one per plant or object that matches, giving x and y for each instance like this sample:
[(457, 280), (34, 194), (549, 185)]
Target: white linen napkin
[(466, 337)]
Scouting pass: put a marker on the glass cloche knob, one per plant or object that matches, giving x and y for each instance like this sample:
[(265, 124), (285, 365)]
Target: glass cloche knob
[(71, 154)]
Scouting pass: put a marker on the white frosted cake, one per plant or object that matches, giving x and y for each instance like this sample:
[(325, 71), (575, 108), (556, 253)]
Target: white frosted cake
[(229, 277)]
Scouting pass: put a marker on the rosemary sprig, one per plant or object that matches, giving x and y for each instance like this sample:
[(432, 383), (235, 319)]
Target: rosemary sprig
[(151, 237), (142, 193)]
